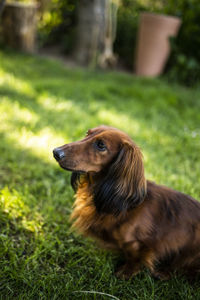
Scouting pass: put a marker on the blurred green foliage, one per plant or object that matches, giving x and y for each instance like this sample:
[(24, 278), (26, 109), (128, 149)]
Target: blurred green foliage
[(184, 63), (127, 26), (57, 25)]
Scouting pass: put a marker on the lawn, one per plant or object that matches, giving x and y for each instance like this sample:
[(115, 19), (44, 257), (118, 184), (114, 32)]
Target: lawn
[(43, 105)]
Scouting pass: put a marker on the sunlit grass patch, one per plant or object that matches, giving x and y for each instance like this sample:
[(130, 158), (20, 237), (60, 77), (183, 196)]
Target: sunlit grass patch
[(11, 81), (12, 204), (19, 124)]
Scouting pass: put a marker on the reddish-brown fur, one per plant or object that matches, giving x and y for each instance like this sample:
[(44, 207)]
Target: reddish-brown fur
[(153, 226)]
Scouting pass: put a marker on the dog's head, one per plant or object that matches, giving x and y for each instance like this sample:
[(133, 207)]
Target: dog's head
[(115, 163)]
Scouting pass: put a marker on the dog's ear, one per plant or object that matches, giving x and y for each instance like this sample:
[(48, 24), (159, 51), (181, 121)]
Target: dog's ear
[(75, 179), (123, 186)]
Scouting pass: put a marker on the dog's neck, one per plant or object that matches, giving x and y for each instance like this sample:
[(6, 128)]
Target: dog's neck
[(85, 216)]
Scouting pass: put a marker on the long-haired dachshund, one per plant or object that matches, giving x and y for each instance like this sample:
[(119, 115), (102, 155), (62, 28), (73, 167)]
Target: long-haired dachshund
[(153, 225)]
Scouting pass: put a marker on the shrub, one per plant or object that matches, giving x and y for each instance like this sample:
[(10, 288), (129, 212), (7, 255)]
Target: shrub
[(58, 24), (127, 26), (184, 63)]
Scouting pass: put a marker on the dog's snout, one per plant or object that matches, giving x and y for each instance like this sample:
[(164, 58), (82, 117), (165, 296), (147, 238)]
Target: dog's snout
[(58, 154)]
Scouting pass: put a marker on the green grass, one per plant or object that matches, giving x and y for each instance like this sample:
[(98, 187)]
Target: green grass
[(43, 105)]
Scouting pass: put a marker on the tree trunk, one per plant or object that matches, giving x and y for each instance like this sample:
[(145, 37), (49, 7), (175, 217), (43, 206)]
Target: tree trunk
[(2, 3), (96, 33), (19, 26)]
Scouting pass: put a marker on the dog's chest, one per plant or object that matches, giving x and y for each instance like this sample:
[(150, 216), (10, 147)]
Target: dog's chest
[(87, 220), (84, 211)]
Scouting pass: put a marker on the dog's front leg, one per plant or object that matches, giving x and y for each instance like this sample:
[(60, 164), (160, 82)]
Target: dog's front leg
[(133, 256)]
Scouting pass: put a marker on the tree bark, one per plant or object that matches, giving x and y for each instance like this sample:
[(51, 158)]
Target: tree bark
[(19, 26), (2, 3), (96, 33)]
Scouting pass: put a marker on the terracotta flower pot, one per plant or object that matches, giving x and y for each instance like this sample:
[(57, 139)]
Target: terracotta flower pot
[(153, 47)]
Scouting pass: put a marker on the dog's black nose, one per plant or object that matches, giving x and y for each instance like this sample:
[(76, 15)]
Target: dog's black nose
[(58, 154)]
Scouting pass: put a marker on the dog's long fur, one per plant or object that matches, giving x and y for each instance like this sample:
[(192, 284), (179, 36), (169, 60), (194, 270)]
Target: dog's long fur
[(153, 226)]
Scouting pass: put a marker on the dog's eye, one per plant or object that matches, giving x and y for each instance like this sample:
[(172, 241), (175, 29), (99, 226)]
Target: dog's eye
[(100, 145)]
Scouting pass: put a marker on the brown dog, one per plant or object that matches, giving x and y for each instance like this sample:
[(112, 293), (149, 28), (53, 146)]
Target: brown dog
[(153, 226)]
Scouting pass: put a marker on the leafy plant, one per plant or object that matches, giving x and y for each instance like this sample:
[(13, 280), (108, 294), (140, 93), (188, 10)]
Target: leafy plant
[(184, 63), (58, 24)]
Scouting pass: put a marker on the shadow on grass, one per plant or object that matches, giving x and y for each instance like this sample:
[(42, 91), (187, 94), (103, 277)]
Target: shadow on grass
[(17, 245)]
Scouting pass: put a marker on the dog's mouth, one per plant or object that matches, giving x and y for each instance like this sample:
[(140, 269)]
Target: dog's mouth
[(71, 169), (66, 168)]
